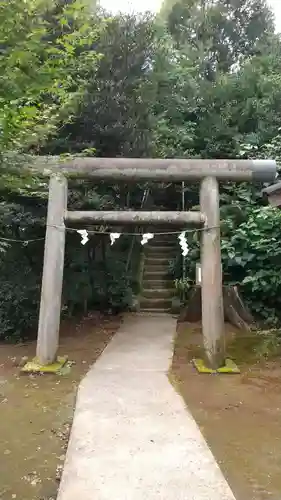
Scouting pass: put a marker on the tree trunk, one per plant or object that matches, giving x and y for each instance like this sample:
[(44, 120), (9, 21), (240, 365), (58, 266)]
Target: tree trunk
[(235, 311)]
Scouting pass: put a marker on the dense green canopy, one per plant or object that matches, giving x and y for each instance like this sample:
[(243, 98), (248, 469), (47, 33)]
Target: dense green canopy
[(200, 79)]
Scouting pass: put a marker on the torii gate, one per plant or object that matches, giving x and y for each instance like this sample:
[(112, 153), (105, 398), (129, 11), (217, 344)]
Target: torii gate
[(209, 172)]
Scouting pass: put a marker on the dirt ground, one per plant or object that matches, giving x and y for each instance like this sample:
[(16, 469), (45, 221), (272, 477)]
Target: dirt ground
[(36, 411), (239, 415)]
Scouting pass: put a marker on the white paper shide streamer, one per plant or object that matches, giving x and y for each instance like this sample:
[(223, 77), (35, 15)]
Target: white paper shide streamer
[(146, 237), (114, 237), (84, 235), (183, 244)]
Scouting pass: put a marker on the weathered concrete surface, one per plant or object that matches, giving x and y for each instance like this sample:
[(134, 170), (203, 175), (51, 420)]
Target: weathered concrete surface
[(132, 437)]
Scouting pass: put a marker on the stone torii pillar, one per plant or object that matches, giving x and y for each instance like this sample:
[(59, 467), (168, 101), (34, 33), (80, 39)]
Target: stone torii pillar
[(211, 272), (51, 292)]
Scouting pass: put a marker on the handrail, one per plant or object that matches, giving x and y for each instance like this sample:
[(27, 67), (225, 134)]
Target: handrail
[(130, 253)]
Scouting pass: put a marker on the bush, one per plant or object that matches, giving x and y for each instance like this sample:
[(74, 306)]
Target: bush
[(252, 257), (103, 285), (90, 282), (19, 299)]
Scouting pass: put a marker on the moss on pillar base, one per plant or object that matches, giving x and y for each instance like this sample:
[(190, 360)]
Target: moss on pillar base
[(229, 367), (35, 367)]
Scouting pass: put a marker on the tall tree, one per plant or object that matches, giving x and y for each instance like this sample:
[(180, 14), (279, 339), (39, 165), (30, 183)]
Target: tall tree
[(219, 33), (114, 115), (40, 82)]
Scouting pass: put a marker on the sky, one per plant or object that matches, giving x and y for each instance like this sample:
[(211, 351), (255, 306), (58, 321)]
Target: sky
[(154, 5), (277, 12)]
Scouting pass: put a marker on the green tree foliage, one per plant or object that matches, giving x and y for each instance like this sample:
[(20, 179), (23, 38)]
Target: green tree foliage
[(219, 33), (252, 257), (43, 69), (175, 104), (230, 55), (231, 59), (114, 116), (46, 64), (201, 80), (95, 275)]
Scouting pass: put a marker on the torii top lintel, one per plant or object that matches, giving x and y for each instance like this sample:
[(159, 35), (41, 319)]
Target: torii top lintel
[(165, 170)]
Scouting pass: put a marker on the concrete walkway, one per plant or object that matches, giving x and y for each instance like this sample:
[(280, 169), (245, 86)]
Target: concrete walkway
[(132, 437)]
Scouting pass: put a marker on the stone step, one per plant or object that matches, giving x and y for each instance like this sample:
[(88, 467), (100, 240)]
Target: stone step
[(158, 303), (155, 255), (160, 251), (162, 264), (157, 284), (156, 243), (155, 261), (162, 248), (158, 293), (162, 236), (163, 272), (165, 238), (162, 239), (156, 311), (156, 273)]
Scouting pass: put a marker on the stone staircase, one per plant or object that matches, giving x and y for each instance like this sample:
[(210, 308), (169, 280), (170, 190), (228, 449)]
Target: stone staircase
[(158, 287)]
